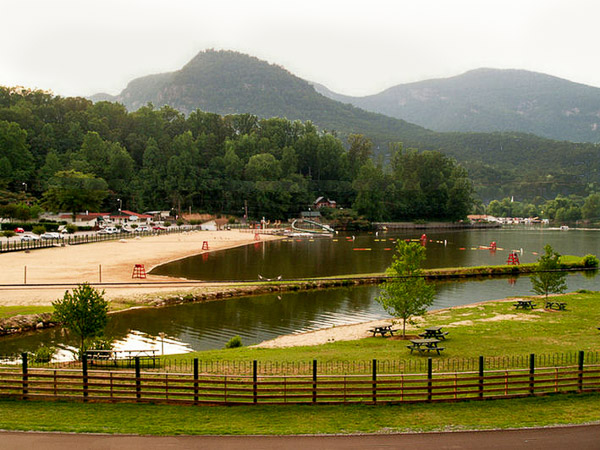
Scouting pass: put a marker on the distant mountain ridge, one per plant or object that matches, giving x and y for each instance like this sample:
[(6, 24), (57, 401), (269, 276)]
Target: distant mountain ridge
[(488, 100), (226, 82)]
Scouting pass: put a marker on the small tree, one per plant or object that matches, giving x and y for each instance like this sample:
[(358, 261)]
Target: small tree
[(406, 294), (84, 313), (548, 279), (8, 234)]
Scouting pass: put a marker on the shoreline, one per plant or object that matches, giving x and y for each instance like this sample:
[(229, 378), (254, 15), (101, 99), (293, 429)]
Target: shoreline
[(355, 331), (109, 261)]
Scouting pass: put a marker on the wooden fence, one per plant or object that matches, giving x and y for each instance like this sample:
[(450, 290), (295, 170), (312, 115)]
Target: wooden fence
[(196, 388), (77, 239)]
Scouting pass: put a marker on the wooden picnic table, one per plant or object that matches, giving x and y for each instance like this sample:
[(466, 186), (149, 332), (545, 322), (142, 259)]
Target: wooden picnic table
[(524, 304), (434, 333), (383, 330), (551, 304), (425, 345)]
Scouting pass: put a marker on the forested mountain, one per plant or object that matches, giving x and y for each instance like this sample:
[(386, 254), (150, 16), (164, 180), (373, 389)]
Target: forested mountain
[(488, 100), (500, 164), (225, 82), (73, 155)]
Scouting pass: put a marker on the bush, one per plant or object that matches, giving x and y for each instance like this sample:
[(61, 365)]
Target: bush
[(39, 229), (71, 228), (43, 354), (231, 220), (167, 223), (234, 342), (180, 222), (590, 261)]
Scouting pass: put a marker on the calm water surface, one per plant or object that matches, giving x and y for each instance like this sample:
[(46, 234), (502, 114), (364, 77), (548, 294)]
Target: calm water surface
[(209, 325)]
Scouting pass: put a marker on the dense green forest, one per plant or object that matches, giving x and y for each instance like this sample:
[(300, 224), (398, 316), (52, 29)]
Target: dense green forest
[(500, 163), (71, 154)]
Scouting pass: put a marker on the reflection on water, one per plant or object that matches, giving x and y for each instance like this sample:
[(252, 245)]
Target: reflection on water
[(203, 326), (368, 253), (210, 325)]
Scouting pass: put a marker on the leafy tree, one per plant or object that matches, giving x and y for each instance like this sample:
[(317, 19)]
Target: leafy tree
[(406, 294), (548, 279), (84, 313), (74, 191)]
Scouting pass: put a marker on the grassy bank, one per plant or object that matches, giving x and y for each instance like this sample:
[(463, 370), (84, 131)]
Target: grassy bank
[(491, 329), (274, 420)]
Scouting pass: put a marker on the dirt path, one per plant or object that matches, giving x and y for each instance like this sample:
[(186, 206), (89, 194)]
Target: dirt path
[(583, 437)]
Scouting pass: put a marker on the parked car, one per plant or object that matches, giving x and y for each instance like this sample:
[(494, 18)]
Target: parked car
[(30, 237), (142, 229), (108, 230), (19, 230), (159, 227), (51, 235)]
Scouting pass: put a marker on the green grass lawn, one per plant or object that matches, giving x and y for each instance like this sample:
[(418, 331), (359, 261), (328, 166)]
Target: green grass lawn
[(491, 329), (10, 311), (170, 420)]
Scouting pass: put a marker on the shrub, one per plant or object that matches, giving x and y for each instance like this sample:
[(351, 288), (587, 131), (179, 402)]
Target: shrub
[(39, 229), (134, 225), (180, 222), (71, 228), (167, 223), (43, 354), (590, 261), (234, 342)]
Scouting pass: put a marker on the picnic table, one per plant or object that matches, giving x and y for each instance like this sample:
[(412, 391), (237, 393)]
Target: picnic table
[(113, 356), (550, 304), (434, 333), (383, 330), (524, 304), (425, 345)]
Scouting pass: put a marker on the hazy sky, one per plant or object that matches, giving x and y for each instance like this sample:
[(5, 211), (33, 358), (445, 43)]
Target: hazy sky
[(81, 47)]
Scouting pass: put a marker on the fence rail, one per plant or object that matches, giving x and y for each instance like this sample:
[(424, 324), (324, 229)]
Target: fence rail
[(225, 389), (355, 367), (17, 246)]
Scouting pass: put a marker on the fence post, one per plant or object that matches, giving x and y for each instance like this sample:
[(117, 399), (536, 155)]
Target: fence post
[(195, 381), (531, 373), (25, 275), (580, 376), (84, 373), (314, 393), (481, 377), (138, 381), (255, 380), (374, 381), (429, 378), (25, 378)]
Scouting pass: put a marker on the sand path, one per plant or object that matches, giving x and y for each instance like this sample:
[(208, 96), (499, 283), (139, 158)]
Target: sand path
[(81, 263)]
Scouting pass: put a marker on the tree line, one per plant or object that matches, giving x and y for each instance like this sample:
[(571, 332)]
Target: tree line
[(70, 154)]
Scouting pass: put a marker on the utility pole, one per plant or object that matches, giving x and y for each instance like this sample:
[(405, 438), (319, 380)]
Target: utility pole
[(246, 210)]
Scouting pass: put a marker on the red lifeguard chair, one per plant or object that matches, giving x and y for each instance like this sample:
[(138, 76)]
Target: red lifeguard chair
[(139, 271), (205, 245), (513, 259), (256, 237)]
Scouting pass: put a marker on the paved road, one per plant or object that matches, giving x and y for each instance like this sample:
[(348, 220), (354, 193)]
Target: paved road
[(577, 438)]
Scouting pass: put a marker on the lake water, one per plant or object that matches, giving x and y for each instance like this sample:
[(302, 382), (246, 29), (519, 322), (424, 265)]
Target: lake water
[(210, 325)]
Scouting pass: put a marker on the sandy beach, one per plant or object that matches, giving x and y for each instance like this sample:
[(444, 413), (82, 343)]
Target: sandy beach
[(114, 259)]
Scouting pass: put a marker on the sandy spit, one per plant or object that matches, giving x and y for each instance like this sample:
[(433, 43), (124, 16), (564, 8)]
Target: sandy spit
[(114, 259)]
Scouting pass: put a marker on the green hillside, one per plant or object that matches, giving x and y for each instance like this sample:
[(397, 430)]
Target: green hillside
[(492, 100), (227, 82)]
